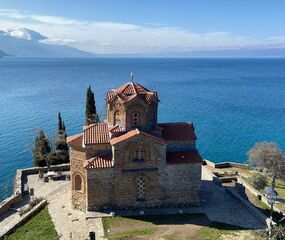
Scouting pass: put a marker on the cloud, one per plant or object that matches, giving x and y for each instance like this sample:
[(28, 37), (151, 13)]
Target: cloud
[(11, 13), (105, 44), (58, 41), (114, 37), (53, 20)]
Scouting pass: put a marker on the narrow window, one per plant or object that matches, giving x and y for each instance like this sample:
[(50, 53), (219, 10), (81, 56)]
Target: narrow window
[(141, 155), (140, 189), (137, 154), (135, 120), (78, 183), (117, 118)]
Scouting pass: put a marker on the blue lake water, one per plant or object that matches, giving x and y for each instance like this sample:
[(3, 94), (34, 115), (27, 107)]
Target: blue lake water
[(232, 102)]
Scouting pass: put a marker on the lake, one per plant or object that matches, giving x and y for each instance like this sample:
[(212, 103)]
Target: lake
[(233, 103)]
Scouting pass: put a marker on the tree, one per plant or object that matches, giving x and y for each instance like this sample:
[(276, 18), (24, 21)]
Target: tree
[(61, 152), (42, 150), (91, 115), (268, 156), (258, 181), (60, 124)]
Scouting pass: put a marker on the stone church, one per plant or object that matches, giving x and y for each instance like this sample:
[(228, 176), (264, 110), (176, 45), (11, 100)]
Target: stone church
[(130, 161)]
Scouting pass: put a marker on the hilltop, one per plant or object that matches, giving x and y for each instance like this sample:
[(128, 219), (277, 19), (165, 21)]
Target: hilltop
[(22, 42)]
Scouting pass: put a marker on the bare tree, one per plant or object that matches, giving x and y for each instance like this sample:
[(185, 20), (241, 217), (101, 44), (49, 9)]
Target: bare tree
[(267, 155)]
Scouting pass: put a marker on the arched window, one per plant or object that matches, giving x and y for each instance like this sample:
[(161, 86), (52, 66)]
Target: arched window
[(117, 118), (78, 183), (140, 188)]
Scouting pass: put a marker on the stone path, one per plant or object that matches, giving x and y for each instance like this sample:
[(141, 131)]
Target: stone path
[(69, 223)]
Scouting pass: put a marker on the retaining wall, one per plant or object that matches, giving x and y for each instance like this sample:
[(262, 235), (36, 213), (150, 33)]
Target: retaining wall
[(225, 164), (255, 212), (24, 218), (258, 193), (18, 192), (7, 203)]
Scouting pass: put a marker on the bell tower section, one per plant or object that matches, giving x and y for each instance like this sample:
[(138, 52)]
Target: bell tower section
[(132, 106)]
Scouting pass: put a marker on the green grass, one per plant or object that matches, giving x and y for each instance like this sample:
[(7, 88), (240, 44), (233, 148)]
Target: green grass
[(131, 234), (260, 204), (140, 228), (149, 226), (218, 230), (212, 233), (39, 227), (172, 236)]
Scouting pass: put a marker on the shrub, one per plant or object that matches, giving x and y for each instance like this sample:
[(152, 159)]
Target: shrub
[(258, 181)]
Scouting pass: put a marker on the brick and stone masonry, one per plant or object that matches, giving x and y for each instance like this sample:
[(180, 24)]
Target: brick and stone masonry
[(130, 161)]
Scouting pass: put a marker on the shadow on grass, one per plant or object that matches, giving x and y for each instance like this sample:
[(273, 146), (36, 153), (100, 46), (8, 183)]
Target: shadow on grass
[(182, 219), (197, 219)]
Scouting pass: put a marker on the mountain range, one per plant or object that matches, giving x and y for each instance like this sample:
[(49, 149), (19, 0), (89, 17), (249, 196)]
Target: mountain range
[(22, 42), (2, 54)]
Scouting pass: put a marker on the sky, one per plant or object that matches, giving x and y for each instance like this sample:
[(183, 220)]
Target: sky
[(145, 26)]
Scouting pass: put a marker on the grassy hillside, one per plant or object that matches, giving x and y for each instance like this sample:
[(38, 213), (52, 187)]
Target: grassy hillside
[(39, 227)]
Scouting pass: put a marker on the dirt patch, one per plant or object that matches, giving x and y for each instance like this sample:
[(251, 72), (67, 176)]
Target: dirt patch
[(161, 227)]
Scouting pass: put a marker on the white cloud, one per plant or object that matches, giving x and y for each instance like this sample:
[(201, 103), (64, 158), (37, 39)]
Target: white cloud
[(113, 37), (53, 20), (11, 13), (58, 41)]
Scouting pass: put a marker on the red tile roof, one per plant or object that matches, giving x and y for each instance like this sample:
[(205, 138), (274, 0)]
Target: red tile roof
[(116, 129), (183, 157), (132, 133), (75, 140), (98, 162), (131, 90), (180, 131), (96, 133)]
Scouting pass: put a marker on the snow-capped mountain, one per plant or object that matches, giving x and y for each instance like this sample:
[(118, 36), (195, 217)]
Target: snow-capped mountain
[(24, 33), (22, 42)]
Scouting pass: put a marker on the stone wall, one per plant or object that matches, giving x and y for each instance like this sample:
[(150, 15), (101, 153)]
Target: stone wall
[(77, 158), (18, 191), (255, 192), (183, 183), (117, 187), (24, 218), (225, 164), (100, 191), (121, 113), (139, 183), (116, 113), (97, 149), (7, 203)]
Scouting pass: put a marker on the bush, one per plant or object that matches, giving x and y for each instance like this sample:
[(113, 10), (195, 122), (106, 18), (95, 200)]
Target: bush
[(258, 181)]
